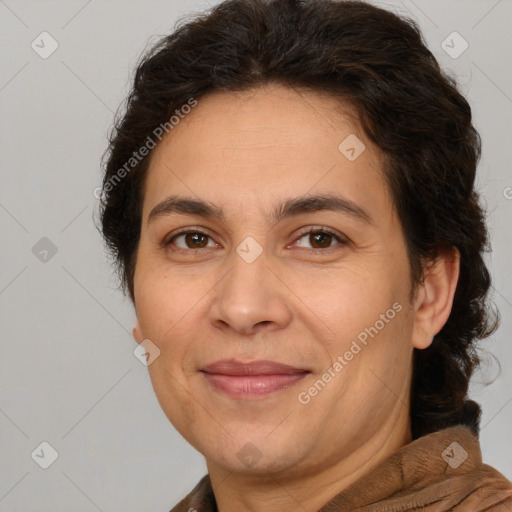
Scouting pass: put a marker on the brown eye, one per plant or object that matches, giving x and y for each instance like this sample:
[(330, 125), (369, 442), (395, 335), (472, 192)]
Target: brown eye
[(189, 240), (321, 239), (195, 240)]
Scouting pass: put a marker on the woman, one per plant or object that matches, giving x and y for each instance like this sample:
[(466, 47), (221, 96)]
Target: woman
[(290, 200)]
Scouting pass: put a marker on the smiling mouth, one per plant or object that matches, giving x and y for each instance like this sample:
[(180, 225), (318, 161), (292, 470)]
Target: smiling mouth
[(251, 380)]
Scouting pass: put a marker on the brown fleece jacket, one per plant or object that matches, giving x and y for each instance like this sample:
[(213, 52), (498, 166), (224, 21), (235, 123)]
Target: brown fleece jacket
[(438, 472)]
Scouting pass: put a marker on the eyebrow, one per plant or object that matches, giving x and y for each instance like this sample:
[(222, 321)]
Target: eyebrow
[(289, 208)]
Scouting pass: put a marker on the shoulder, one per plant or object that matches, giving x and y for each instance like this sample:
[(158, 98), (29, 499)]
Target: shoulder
[(491, 491), (200, 498)]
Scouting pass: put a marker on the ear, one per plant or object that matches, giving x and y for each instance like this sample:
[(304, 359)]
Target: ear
[(137, 333), (434, 297)]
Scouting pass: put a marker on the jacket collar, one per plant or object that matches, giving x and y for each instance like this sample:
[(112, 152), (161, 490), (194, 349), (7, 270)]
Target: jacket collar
[(438, 472)]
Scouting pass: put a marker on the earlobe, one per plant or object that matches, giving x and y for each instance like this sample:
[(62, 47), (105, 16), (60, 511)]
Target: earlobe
[(434, 298), (137, 333)]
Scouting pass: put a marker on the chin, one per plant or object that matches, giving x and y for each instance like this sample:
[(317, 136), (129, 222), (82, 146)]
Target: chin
[(254, 455)]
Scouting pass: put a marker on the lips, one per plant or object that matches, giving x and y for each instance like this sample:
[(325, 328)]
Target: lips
[(251, 380)]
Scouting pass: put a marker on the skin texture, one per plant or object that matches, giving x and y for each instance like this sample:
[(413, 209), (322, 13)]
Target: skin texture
[(298, 303)]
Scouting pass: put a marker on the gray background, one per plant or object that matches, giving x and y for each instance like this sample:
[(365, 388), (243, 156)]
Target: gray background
[(68, 373)]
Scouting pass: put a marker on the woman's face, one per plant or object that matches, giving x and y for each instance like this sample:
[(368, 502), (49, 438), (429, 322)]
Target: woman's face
[(255, 286)]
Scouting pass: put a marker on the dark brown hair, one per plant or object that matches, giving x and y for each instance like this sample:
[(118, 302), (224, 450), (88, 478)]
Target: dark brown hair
[(406, 105)]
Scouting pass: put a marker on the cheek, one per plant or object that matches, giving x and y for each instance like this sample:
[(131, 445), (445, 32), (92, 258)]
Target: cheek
[(370, 358), (165, 300), (179, 405), (170, 309), (167, 311), (338, 304)]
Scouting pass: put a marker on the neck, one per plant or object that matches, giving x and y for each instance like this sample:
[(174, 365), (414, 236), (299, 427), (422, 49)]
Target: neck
[(277, 493)]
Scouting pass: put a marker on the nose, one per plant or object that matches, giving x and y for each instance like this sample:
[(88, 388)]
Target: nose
[(251, 298)]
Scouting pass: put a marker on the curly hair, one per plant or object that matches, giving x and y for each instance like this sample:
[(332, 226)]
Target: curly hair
[(406, 105)]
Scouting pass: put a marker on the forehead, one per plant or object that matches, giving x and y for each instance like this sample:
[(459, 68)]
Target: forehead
[(266, 143), (271, 116)]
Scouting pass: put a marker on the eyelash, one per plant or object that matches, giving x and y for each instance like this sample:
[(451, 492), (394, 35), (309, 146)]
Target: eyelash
[(312, 231)]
